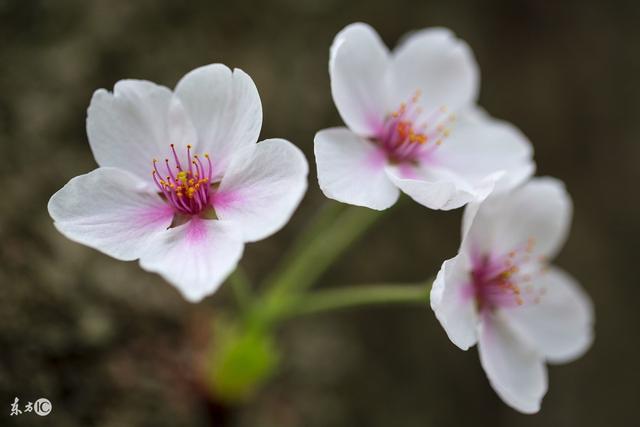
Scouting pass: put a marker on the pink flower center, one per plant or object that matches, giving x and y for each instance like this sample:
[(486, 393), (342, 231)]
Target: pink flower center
[(507, 280), (410, 134), (187, 189)]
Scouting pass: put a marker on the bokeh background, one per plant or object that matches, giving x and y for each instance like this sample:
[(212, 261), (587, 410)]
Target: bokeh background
[(111, 345)]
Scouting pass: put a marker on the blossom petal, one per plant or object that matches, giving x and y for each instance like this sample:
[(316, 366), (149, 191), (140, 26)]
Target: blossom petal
[(516, 372), (453, 302), (136, 123), (440, 66), (480, 145), (352, 170), (195, 257), (225, 109), (538, 212), (439, 188), (560, 325), (358, 66), (109, 210), (263, 185)]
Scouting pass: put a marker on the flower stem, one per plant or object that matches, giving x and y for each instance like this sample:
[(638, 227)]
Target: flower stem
[(241, 286), (361, 295), (328, 237)]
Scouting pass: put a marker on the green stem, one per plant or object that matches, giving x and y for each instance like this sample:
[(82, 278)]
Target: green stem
[(361, 295), (241, 286), (327, 239)]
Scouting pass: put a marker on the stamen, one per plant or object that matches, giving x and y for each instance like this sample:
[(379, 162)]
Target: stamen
[(508, 280), (175, 157), (189, 190), (408, 134)]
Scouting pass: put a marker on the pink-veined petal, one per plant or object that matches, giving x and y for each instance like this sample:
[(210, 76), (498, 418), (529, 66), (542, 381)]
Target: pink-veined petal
[(480, 145), (560, 324), (439, 188), (110, 210), (537, 213), (136, 123), (225, 109), (516, 371), (262, 187), (453, 302), (440, 66), (358, 66), (351, 170), (195, 257)]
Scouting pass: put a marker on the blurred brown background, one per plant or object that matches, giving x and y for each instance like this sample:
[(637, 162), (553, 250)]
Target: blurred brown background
[(111, 345)]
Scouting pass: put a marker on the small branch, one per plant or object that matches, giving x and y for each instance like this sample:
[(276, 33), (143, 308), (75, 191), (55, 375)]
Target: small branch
[(328, 237), (361, 295)]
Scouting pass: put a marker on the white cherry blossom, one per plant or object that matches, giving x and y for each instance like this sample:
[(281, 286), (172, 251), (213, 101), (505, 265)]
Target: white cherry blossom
[(181, 183), (501, 293), (413, 125)]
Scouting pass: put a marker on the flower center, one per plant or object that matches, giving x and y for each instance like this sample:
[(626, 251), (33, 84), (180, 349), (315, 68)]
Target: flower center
[(507, 281), (187, 189), (410, 134)]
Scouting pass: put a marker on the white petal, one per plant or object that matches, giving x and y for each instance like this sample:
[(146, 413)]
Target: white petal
[(516, 372), (225, 109), (110, 210), (262, 187), (470, 211), (439, 65), (352, 170), (539, 210), (358, 66), (195, 257), (136, 123), (440, 188), (560, 326), (480, 145), (453, 302)]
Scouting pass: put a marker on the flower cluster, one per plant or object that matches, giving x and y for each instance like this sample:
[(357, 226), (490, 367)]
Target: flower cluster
[(414, 126), (182, 185)]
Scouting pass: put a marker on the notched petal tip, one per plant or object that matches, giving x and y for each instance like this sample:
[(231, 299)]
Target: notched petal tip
[(195, 257), (263, 186), (352, 170)]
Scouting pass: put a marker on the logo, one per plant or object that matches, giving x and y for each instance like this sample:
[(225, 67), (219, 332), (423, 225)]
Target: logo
[(42, 407)]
